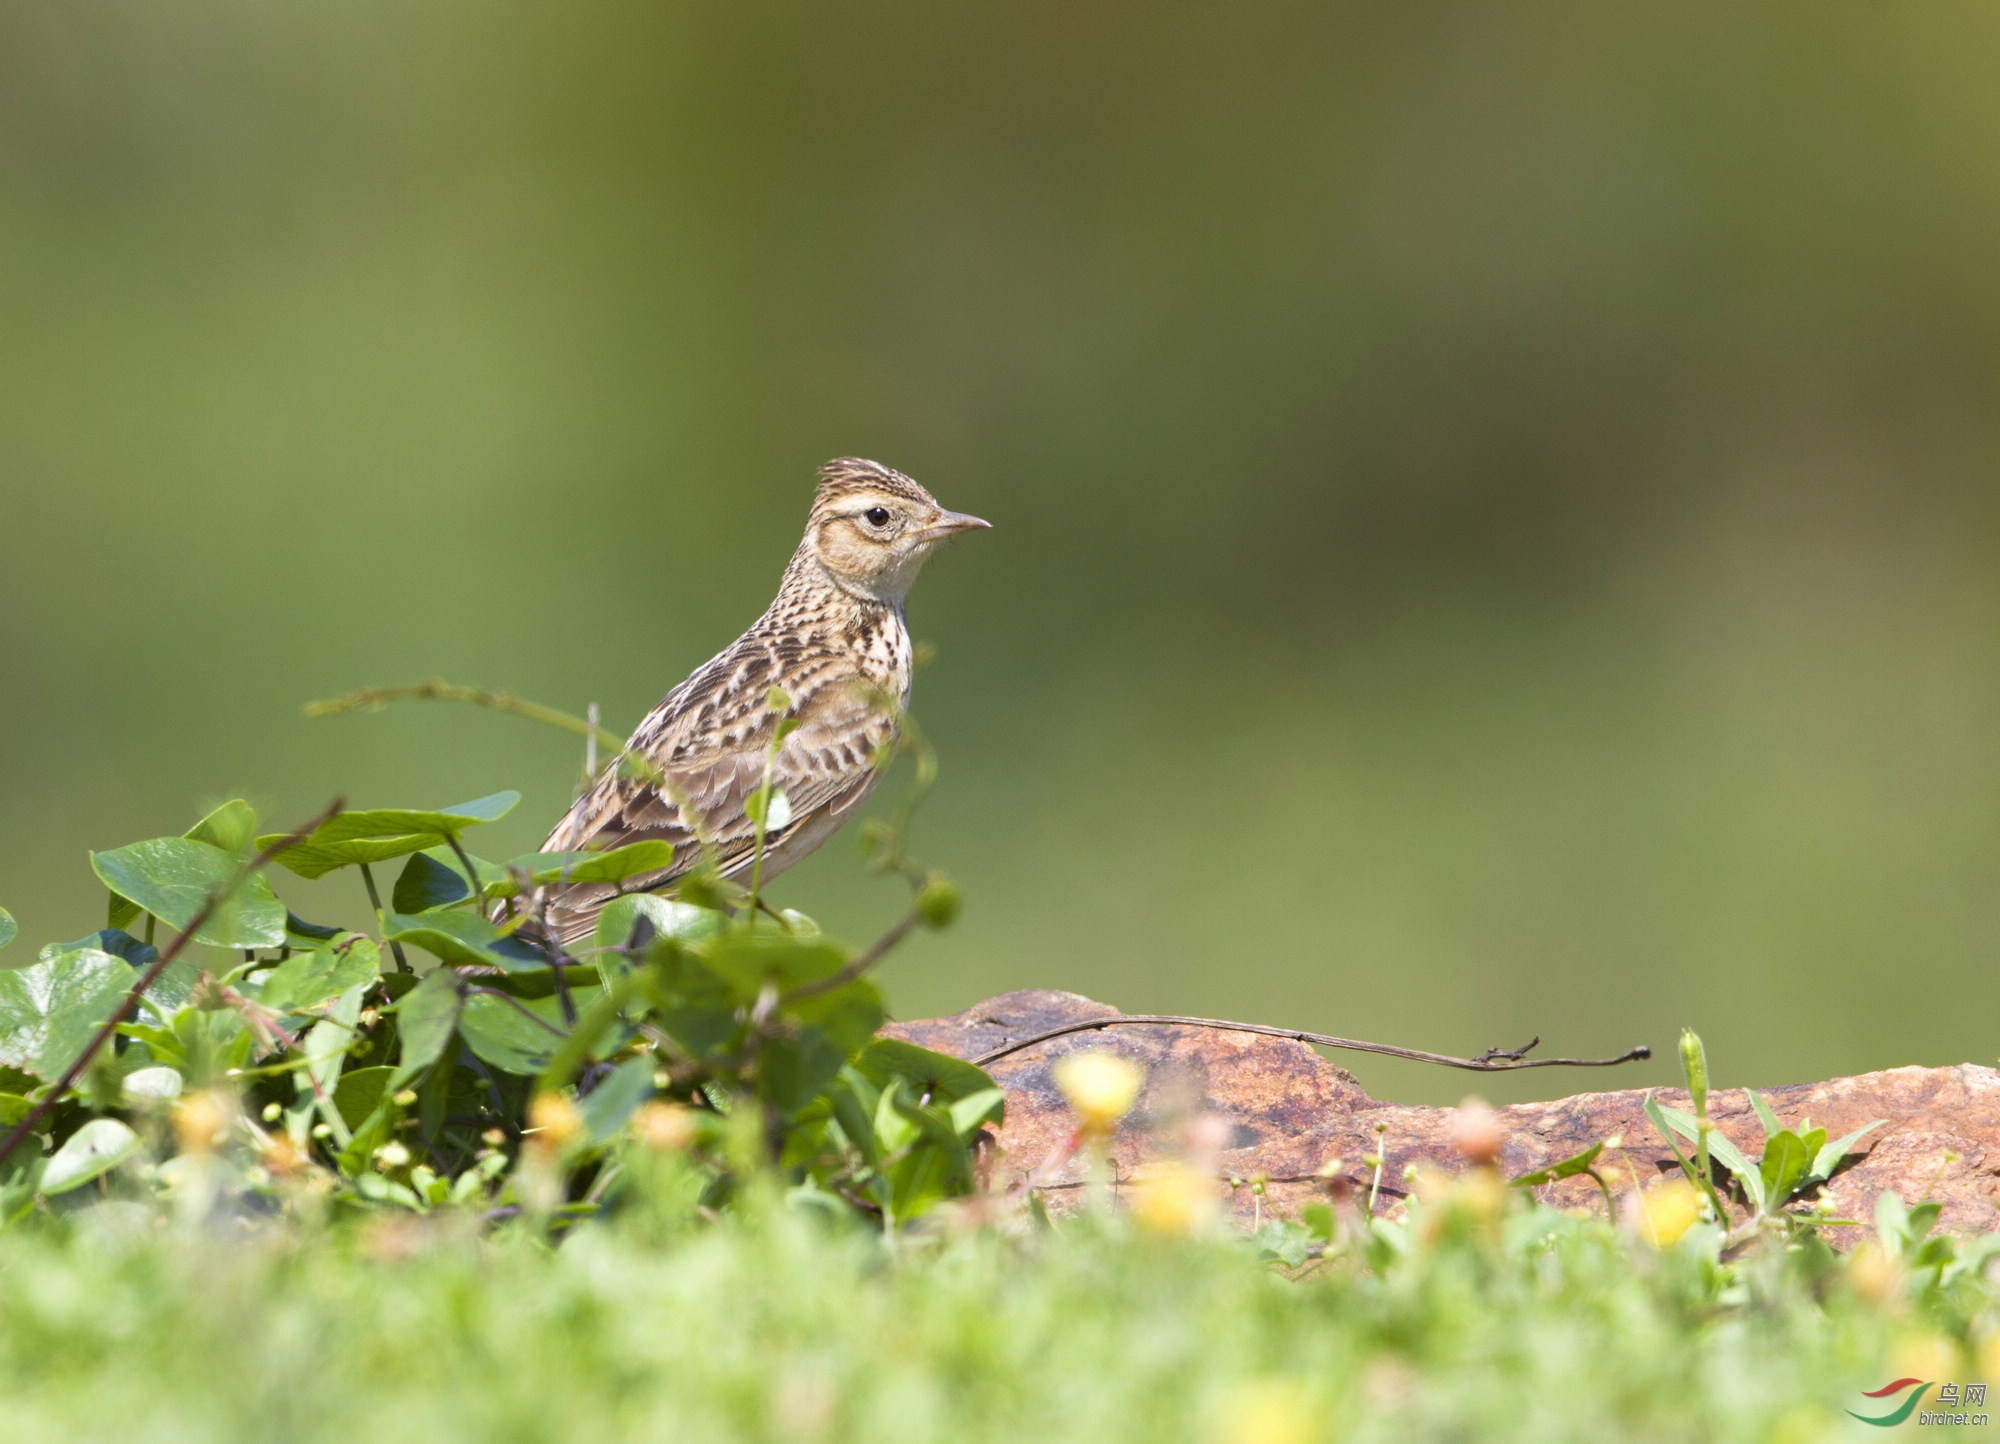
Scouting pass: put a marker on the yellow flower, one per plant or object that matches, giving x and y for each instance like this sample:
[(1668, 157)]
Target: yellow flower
[(664, 1127), (1668, 1210), (1924, 1356), (554, 1121), (1872, 1274), (1175, 1201), (1101, 1087), (201, 1120), (1269, 1411)]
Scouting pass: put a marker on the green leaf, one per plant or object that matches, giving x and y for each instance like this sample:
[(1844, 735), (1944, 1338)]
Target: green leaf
[(974, 1111), (791, 1072), (305, 980), (325, 1053), (425, 1019), (8, 927), (1828, 1158), (170, 991), (13, 1108), (157, 1084), (171, 877), (613, 866), (616, 1097), (848, 1016), (923, 1072), (121, 912), (1765, 1117), (500, 1031), (435, 878), (1569, 1167), (360, 1093), (310, 859), (749, 960), (382, 833), (465, 940), (671, 918), (1685, 1124), (231, 827), (1747, 1173), (93, 1150), (311, 933), (1784, 1164), (49, 1012)]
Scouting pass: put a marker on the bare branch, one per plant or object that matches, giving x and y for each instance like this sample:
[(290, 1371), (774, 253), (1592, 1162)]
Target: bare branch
[(1493, 1061)]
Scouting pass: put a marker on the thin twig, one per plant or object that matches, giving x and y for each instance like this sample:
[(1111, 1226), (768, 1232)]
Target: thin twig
[(1494, 1062), (174, 949), (525, 1010), (868, 959)]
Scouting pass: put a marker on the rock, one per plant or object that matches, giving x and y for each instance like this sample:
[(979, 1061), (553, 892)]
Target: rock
[(1290, 1112)]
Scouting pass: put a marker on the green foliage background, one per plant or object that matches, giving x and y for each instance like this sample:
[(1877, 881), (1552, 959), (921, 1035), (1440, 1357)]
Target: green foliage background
[(1495, 510)]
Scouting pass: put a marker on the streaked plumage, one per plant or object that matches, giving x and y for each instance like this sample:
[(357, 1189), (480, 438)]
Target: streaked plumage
[(834, 641)]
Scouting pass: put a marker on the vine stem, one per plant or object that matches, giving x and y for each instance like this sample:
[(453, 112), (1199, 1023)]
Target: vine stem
[(1493, 1062), (215, 899)]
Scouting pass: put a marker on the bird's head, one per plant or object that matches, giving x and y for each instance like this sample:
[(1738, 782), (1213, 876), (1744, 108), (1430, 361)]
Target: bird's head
[(872, 529)]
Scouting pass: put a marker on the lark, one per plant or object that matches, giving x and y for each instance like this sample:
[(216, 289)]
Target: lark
[(835, 644)]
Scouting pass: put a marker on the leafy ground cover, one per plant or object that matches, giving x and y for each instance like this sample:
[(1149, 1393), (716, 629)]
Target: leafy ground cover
[(265, 1179), (1479, 1316)]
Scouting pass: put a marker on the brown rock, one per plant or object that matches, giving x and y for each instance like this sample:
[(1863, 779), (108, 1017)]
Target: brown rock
[(1289, 1112)]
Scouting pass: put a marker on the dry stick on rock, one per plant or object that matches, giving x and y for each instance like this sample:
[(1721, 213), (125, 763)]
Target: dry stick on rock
[(152, 974), (1493, 1060)]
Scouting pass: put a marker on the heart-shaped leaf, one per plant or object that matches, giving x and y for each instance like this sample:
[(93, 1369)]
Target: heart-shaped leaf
[(93, 1150), (425, 1018), (231, 827), (749, 960), (170, 991), (379, 834), (171, 877), (50, 1011), (614, 866), (305, 980), (465, 940), (939, 1076), (514, 1035)]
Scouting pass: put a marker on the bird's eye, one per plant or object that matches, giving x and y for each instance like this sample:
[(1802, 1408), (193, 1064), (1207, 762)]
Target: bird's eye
[(877, 515)]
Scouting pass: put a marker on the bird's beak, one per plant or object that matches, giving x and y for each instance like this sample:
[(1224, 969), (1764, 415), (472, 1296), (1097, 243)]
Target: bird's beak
[(951, 523)]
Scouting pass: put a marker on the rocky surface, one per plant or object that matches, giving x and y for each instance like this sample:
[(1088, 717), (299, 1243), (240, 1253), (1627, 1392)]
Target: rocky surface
[(1289, 1112)]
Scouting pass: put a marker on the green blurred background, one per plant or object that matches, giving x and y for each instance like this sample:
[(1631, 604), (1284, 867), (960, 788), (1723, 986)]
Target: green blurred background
[(1495, 507)]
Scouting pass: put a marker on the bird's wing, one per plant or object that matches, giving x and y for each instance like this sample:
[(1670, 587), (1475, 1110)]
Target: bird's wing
[(828, 762)]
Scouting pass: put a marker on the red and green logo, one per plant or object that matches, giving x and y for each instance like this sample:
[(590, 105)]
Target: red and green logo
[(1903, 1410)]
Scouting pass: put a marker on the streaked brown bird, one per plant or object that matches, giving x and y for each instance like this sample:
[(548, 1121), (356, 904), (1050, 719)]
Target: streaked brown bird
[(834, 642)]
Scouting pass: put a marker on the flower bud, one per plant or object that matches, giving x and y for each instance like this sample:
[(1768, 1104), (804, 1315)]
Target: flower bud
[(1694, 1062), (938, 903), (1476, 1133), (1101, 1087)]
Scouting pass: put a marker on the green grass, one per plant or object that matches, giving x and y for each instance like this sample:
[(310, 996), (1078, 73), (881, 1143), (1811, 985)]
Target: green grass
[(774, 1323)]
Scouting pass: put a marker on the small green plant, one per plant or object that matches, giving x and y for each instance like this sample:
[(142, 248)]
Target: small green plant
[(1793, 1163), (445, 1059)]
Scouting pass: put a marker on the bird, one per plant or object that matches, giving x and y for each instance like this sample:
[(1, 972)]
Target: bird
[(835, 646)]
